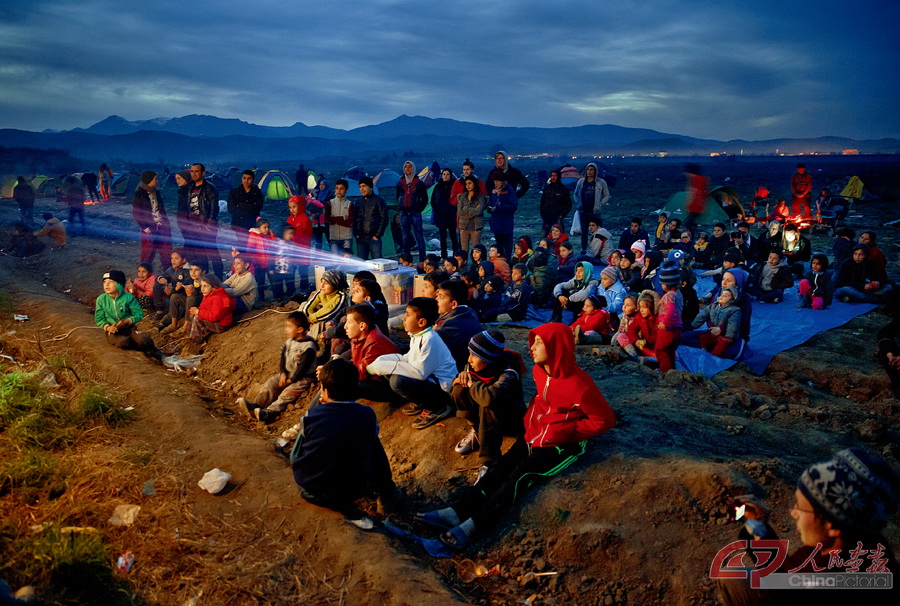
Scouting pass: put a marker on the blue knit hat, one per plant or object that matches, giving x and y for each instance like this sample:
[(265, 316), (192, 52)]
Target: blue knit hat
[(669, 274), (488, 345)]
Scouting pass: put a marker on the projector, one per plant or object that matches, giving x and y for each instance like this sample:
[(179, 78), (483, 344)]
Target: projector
[(382, 264)]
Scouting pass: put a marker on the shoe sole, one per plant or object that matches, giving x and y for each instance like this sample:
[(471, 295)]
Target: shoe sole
[(425, 422)]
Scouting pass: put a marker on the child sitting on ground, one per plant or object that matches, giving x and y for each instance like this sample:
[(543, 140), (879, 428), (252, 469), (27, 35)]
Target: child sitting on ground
[(406, 260), (566, 412), (856, 280), (424, 374), (591, 327), (473, 283), (671, 305), (117, 312), (296, 373), (556, 237), (479, 256), (501, 267), (337, 457), (701, 254), (215, 313), (488, 394), (241, 285), (514, 304), (723, 320), (462, 260), (142, 286), (643, 328), (544, 276), (620, 337), (611, 289), (432, 281), (187, 294), (770, 279), (491, 298), (522, 250), (566, 259), (572, 294), (326, 305), (335, 341), (451, 266), (457, 322), (815, 287)]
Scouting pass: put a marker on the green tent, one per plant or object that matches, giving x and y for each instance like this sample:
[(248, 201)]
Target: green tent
[(125, 185), (713, 214), (8, 187), (276, 185)]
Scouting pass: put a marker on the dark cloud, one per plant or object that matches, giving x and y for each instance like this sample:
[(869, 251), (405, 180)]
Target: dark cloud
[(723, 70)]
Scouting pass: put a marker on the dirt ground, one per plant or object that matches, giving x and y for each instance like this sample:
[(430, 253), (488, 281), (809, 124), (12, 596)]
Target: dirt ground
[(636, 521)]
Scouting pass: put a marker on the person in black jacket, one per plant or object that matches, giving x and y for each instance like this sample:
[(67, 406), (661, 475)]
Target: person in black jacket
[(203, 219), (412, 198), (370, 220), (337, 457), (514, 176), (245, 202), (149, 212), (23, 193), (443, 207), (556, 202), (457, 322)]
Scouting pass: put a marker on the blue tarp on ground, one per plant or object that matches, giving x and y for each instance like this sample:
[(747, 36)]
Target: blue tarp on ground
[(774, 328)]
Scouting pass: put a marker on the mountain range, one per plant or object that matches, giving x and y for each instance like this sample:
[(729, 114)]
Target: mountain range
[(228, 140)]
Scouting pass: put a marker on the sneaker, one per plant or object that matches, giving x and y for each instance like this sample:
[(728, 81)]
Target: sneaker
[(481, 473), (266, 416), (291, 433), (468, 444), (248, 406), (577, 332), (430, 418), (172, 327), (362, 523), (412, 410)]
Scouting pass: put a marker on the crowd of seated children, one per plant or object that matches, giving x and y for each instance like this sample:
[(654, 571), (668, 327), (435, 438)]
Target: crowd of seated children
[(487, 393), (423, 375), (327, 304), (563, 415), (592, 325), (296, 372), (457, 322), (572, 293), (215, 312)]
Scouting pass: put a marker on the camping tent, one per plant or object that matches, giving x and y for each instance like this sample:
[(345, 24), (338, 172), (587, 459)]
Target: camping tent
[(387, 178), (276, 185), (353, 188), (8, 187), (125, 184), (43, 185), (356, 173), (713, 214), (727, 195), (568, 176), (311, 180)]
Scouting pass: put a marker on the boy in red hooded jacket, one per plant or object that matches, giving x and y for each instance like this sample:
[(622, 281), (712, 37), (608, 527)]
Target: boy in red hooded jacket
[(567, 410)]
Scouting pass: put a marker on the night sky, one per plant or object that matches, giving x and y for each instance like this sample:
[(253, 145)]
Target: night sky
[(720, 70)]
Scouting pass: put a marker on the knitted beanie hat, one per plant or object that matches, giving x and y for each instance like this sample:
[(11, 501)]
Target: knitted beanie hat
[(627, 254), (147, 176), (184, 175), (675, 255), (488, 345), (610, 272), (367, 181), (669, 274), (854, 490), (735, 293), (639, 246), (336, 278), (116, 276)]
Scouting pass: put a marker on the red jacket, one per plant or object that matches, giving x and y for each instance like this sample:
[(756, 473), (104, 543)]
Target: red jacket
[(364, 352), (217, 307), (258, 246), (597, 320), (643, 328), (568, 407), (303, 228)]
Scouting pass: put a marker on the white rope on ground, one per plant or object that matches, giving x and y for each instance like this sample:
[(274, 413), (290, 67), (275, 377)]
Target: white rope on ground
[(262, 313), (61, 337)]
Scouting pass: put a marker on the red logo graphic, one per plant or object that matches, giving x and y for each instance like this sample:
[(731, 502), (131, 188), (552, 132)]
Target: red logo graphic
[(768, 556)]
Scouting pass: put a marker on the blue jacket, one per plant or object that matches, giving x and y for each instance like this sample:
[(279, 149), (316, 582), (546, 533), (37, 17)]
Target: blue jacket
[(503, 208)]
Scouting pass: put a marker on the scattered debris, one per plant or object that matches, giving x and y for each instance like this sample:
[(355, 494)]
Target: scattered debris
[(125, 562), (124, 515), (20, 318), (149, 489), (214, 480)]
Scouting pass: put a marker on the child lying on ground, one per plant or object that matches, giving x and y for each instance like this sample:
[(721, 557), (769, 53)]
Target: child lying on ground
[(296, 373), (567, 410)]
